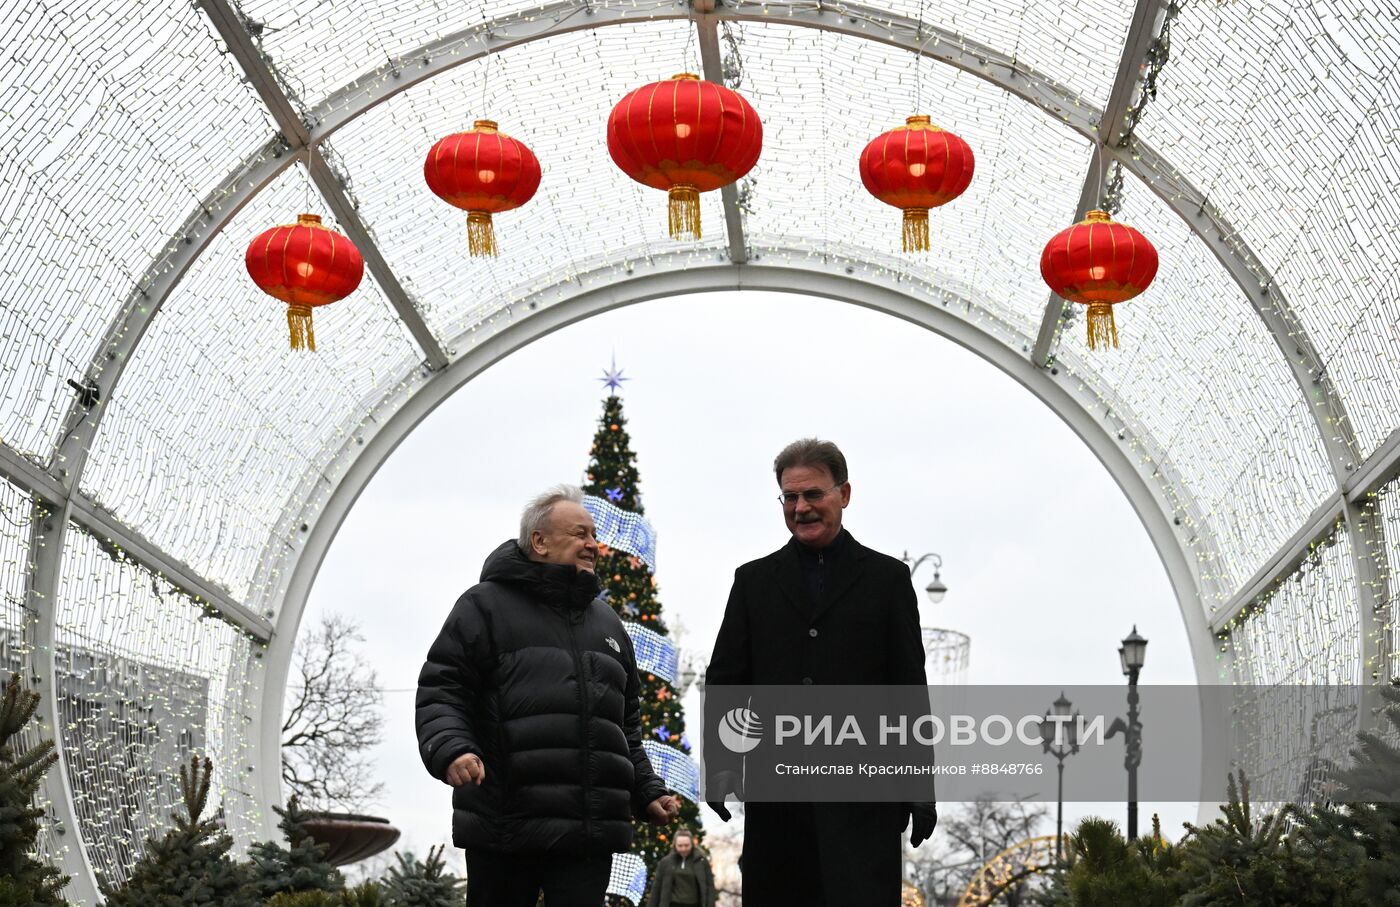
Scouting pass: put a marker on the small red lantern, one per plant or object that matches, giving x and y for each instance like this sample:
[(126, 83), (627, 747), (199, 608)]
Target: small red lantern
[(915, 167), (1099, 263), (304, 265), (686, 136), (482, 171)]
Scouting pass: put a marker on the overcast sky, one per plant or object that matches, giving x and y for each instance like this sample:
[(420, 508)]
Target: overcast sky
[(1046, 563)]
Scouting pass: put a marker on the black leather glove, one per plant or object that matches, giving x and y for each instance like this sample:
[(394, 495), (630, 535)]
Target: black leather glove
[(925, 816), (721, 785)]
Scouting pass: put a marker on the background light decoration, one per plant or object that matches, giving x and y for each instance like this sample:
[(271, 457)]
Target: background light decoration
[(211, 449)]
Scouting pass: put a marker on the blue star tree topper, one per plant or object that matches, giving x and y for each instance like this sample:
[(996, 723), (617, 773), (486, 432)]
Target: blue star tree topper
[(612, 377)]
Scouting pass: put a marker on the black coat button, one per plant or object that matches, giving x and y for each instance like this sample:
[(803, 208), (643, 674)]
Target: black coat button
[(807, 681), (812, 632)]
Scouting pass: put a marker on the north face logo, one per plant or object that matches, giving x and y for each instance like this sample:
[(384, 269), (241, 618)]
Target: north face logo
[(615, 647)]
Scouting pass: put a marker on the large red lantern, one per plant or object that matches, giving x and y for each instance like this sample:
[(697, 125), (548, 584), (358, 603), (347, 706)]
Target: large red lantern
[(686, 136), (305, 265), (1099, 263), (482, 171), (916, 167)]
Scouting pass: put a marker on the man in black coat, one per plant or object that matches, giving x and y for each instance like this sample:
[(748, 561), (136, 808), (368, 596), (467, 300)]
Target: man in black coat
[(823, 609), (527, 706)]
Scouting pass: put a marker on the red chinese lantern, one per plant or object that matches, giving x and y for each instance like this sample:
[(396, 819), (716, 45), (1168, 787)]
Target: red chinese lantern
[(686, 136), (305, 265), (915, 167), (482, 171), (1099, 263)]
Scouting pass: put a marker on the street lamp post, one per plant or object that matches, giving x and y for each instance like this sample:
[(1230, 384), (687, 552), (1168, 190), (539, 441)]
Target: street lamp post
[(1132, 654), (936, 588), (1060, 738)]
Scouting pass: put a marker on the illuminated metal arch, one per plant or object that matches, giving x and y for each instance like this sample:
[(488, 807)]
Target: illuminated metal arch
[(1130, 456), (301, 139)]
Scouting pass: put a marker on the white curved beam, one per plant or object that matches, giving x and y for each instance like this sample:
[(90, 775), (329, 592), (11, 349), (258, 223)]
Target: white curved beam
[(47, 534), (230, 26), (1130, 458), (375, 87), (1144, 30)]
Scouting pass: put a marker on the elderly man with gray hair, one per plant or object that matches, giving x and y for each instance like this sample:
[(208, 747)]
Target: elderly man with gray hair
[(527, 706)]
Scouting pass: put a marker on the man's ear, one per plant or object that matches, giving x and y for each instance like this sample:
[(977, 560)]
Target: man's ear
[(537, 543), (845, 494)]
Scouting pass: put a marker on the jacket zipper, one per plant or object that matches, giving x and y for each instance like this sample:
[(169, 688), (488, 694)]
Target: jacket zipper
[(582, 727)]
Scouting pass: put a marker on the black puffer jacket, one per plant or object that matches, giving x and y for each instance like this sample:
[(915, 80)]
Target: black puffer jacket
[(536, 677)]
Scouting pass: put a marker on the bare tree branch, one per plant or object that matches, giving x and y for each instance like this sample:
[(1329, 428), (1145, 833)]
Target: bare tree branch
[(332, 718)]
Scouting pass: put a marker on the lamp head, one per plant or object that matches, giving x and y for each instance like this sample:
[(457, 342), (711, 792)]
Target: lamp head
[(1133, 653), (936, 589)]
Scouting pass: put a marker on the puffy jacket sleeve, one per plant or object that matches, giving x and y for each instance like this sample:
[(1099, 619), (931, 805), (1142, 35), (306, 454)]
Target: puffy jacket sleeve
[(646, 786), (449, 685)]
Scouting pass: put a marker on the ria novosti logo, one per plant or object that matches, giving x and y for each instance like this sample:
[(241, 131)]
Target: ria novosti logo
[(740, 730)]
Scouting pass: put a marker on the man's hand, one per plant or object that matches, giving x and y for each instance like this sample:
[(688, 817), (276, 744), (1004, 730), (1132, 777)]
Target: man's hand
[(722, 785), (925, 816), (466, 769), (664, 810)]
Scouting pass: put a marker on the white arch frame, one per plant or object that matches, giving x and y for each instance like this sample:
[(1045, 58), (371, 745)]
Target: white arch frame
[(1144, 475), (55, 482)]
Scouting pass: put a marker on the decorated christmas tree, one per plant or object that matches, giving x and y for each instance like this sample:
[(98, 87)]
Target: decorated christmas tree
[(632, 591)]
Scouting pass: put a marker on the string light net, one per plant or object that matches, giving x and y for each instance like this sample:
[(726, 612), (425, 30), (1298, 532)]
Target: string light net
[(146, 677), (142, 158)]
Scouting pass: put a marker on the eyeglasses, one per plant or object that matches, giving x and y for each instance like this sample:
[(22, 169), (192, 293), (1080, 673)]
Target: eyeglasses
[(811, 495)]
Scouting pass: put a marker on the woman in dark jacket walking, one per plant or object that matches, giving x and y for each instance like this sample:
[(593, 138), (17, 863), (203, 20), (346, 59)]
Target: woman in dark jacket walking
[(683, 876)]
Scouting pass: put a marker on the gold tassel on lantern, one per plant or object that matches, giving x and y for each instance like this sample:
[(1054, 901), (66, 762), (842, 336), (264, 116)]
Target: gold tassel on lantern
[(916, 230), (299, 321), (1102, 330), (684, 209), (481, 238)]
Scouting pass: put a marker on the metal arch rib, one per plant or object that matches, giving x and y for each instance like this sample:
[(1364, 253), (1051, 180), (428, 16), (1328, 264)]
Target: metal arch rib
[(707, 28), (112, 532), (1369, 556), (1132, 460), (240, 45), (1144, 29)]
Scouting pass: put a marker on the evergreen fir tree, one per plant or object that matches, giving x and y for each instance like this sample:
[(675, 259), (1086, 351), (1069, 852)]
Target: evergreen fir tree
[(365, 894), (188, 866), (632, 591), (23, 879), (415, 883), (305, 899), (1237, 860), (1359, 843), (1106, 871), (301, 866)]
